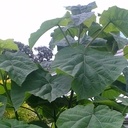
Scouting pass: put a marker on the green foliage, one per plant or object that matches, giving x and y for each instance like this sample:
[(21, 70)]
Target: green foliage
[(88, 116), (87, 77)]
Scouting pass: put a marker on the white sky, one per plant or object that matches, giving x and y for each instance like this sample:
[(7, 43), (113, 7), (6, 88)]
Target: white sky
[(19, 18)]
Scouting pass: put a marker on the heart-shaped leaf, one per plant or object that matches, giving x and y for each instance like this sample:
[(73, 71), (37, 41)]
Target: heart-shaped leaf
[(18, 66), (117, 19), (90, 117), (41, 84), (92, 70), (55, 87)]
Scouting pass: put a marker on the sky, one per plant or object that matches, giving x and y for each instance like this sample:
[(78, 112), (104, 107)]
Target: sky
[(19, 18)]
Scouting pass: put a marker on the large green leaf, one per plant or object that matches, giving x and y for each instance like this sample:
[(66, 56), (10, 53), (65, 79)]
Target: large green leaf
[(117, 19), (18, 66), (41, 84), (3, 101), (34, 80), (45, 26), (7, 44), (12, 123), (55, 87), (92, 70), (90, 117)]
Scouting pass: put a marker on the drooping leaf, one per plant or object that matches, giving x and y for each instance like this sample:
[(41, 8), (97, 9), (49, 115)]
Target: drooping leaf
[(34, 81), (90, 117), (92, 70), (3, 102), (45, 26), (41, 84), (18, 66), (117, 19), (7, 44), (81, 9), (12, 123)]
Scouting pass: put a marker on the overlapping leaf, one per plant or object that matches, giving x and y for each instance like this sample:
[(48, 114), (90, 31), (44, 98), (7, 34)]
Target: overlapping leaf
[(117, 19), (18, 66), (90, 117), (41, 84), (55, 87), (92, 70)]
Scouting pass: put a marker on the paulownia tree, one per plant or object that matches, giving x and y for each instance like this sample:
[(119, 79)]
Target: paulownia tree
[(86, 84)]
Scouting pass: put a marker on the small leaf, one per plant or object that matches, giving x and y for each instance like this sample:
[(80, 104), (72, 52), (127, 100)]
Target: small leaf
[(90, 117), (18, 66), (7, 44), (92, 70), (45, 26), (117, 19)]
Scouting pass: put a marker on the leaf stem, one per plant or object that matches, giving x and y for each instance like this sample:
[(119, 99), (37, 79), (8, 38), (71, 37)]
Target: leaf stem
[(64, 35), (70, 100), (55, 118), (97, 34)]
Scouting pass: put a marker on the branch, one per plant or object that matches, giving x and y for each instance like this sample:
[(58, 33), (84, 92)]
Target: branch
[(64, 35)]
